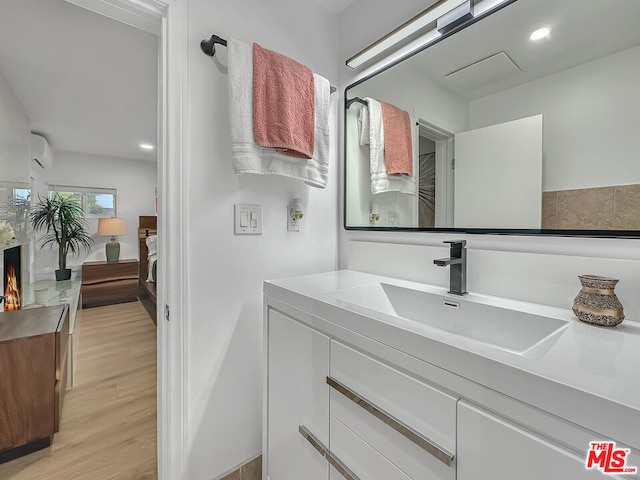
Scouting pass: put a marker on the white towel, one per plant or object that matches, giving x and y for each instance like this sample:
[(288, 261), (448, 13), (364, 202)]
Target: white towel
[(151, 260), (251, 158), (363, 125), (380, 181), (152, 245)]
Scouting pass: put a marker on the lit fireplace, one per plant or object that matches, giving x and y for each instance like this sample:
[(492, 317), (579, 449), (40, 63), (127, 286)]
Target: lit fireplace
[(12, 280)]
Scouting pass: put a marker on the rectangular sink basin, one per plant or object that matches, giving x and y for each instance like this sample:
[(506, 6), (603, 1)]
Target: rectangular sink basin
[(502, 327)]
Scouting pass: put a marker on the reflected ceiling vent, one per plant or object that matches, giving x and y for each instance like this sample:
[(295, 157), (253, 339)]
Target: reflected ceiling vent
[(485, 71)]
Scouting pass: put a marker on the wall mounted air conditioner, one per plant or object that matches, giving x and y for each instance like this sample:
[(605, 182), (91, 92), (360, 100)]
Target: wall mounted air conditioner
[(40, 151)]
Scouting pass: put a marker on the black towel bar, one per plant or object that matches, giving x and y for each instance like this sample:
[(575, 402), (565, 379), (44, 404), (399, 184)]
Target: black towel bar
[(208, 47), (353, 100)]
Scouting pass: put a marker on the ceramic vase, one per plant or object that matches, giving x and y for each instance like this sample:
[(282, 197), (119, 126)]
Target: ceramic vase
[(597, 302)]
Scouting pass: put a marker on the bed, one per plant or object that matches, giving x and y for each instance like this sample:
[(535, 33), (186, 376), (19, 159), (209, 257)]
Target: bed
[(147, 241)]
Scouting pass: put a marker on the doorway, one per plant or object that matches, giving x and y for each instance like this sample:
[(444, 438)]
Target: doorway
[(436, 178), (145, 14)]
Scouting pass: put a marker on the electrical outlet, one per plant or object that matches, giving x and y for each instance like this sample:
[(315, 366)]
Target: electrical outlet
[(293, 224)]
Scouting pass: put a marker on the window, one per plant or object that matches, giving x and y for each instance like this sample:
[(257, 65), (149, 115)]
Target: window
[(23, 194), (96, 202), (11, 195)]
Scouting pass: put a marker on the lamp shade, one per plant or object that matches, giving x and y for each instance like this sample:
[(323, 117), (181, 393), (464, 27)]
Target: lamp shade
[(111, 227)]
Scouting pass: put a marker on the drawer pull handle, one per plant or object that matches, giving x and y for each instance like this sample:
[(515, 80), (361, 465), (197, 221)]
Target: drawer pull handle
[(324, 451), (313, 440), (340, 467), (423, 442)]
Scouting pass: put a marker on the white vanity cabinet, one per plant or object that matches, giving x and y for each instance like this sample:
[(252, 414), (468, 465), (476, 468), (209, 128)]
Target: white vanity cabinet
[(297, 396), (494, 448), (353, 417), (350, 395), (360, 459), (409, 423)]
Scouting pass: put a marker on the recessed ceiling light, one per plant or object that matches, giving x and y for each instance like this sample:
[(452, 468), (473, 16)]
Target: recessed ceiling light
[(540, 33), (146, 146)]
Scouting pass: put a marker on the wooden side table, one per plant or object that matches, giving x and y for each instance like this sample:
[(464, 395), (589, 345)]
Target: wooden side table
[(106, 283), (33, 362), (51, 293)]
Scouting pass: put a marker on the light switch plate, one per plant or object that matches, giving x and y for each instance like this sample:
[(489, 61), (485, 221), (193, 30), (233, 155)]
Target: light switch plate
[(248, 219)]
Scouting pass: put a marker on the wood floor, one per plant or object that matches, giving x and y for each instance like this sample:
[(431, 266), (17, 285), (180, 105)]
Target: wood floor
[(108, 425)]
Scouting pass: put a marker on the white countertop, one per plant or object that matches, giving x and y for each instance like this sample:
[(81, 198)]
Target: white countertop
[(586, 374)]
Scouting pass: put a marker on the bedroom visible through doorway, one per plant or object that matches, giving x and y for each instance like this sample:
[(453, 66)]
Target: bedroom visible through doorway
[(98, 99)]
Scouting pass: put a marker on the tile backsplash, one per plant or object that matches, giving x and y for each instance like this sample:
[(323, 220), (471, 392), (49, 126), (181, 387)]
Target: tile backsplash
[(600, 208)]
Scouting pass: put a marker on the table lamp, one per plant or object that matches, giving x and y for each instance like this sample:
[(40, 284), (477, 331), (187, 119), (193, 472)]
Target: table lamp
[(111, 227)]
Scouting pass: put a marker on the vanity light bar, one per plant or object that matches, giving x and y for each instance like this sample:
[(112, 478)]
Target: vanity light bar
[(420, 21), (455, 17)]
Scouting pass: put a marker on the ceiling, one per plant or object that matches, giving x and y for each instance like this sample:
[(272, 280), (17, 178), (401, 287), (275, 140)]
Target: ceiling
[(87, 83), (335, 6), (581, 32)]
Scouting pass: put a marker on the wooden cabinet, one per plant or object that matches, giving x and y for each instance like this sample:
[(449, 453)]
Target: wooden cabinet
[(33, 366), (54, 293), (298, 363), (106, 283)]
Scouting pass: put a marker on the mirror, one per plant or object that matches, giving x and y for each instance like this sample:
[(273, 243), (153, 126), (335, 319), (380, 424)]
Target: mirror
[(508, 134)]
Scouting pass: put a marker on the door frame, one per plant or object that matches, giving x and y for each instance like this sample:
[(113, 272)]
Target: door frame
[(443, 136), (170, 17)]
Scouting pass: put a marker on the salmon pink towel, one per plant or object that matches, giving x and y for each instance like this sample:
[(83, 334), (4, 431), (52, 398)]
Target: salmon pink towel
[(283, 103), (398, 153)]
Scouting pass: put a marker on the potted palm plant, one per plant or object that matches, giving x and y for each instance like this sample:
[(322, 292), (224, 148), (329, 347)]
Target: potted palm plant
[(65, 225)]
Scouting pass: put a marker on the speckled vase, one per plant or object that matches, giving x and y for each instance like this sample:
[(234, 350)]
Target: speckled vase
[(597, 303)]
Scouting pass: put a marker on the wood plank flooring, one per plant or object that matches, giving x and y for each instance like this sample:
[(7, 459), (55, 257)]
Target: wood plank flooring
[(108, 425)]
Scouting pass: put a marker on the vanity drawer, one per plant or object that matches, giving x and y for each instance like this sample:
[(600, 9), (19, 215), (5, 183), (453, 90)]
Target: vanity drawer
[(362, 461), (494, 448), (409, 422)]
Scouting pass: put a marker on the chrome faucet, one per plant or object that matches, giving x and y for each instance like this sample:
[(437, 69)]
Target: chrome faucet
[(457, 263)]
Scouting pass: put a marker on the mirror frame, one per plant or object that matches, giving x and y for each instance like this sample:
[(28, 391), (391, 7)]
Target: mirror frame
[(475, 231)]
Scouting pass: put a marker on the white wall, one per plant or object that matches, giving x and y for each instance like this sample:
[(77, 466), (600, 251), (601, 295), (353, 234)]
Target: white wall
[(226, 272), (135, 183), (15, 130), (356, 35), (224, 353), (434, 104), (591, 113)]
